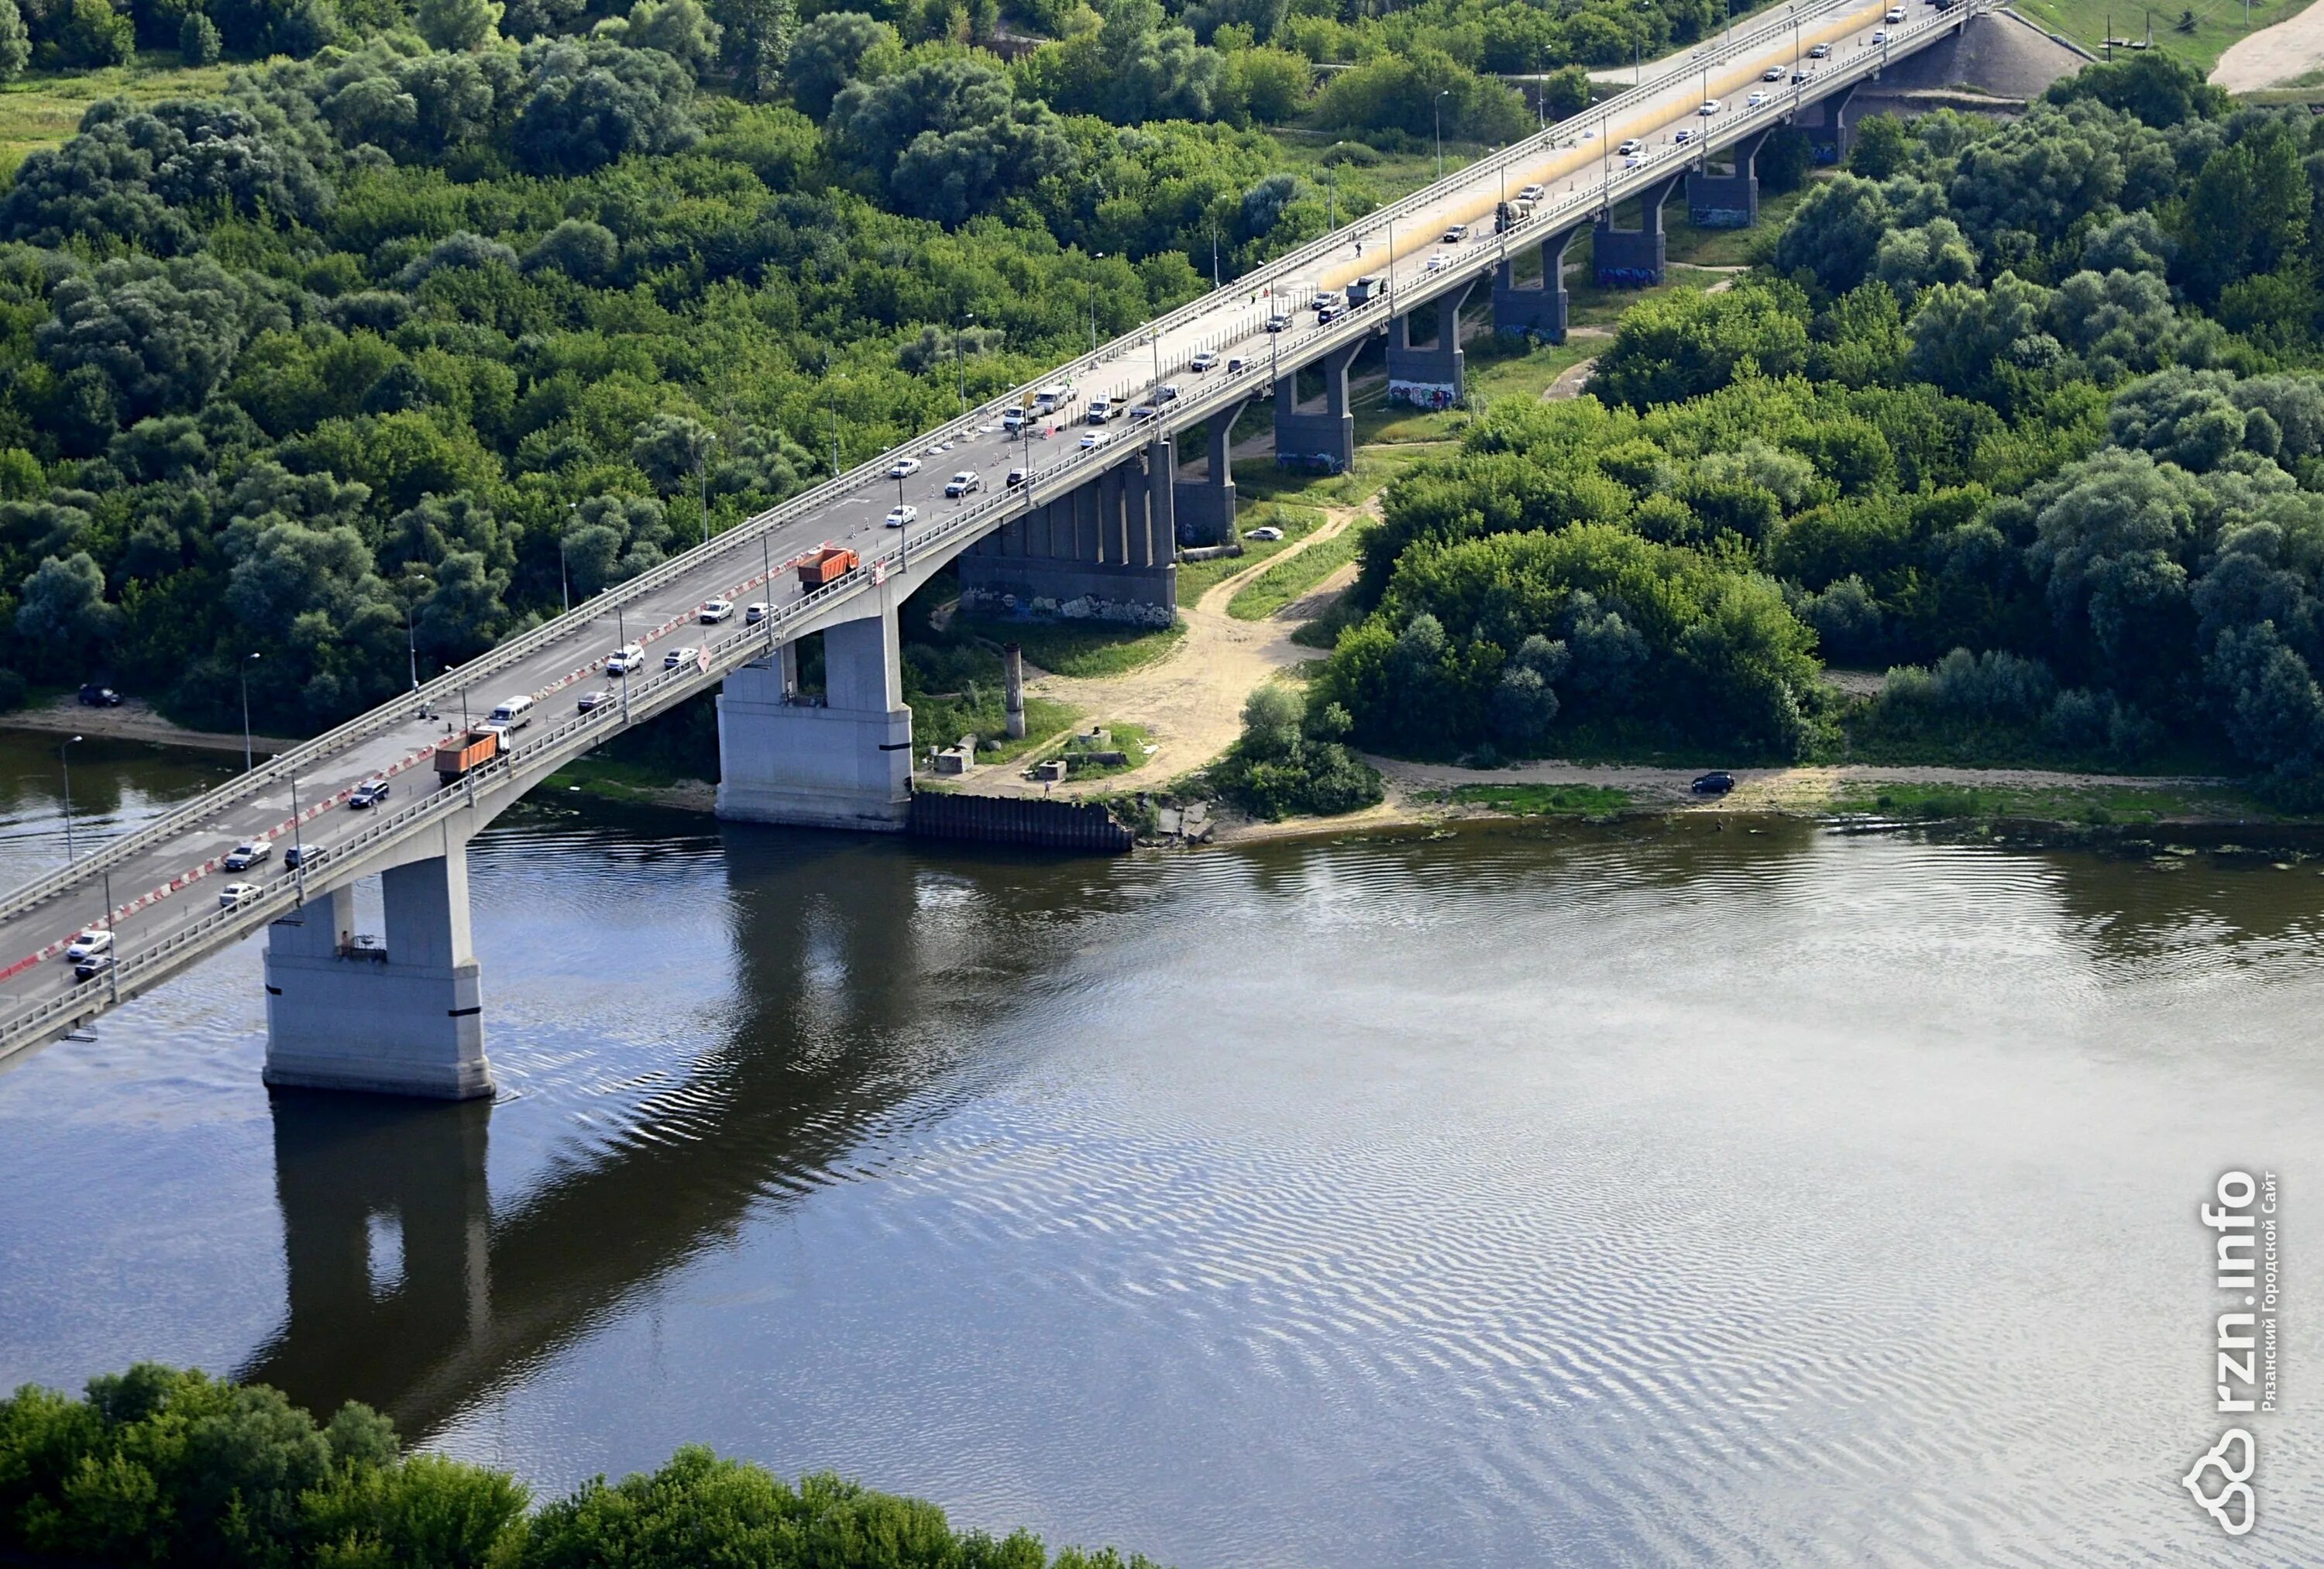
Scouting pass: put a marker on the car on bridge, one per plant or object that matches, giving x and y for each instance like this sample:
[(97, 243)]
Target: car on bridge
[(1278, 322), (904, 468), (1091, 438), (1531, 193), (1755, 100), (624, 660), (1454, 236), (1018, 476), (589, 700), (1896, 14), (1799, 77), (1880, 37), (369, 793), (1630, 144), (1820, 52), (715, 611), (1168, 392), (1708, 109), (300, 855), (1204, 360), (966, 483), (1774, 73), (235, 895), (89, 943), (898, 516), (677, 657), (1147, 411), (90, 968), (1237, 365), (754, 613), (250, 853), (1681, 136)]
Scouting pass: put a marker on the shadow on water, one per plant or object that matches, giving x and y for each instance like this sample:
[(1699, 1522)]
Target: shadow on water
[(824, 1046)]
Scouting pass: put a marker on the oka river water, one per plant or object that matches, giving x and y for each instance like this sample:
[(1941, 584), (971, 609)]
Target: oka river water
[(1642, 1194)]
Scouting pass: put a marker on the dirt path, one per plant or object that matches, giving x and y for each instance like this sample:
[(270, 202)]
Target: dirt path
[(1190, 700), (1569, 381), (2292, 48), (135, 721)]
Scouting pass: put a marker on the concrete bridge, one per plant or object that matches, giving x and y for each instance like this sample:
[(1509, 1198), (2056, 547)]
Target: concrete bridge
[(1092, 531)]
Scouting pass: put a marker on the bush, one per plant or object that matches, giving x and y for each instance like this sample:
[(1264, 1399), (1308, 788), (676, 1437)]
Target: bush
[(155, 1465), (197, 40), (1291, 758)]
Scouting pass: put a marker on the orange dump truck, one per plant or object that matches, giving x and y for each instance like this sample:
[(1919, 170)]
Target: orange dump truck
[(828, 565), (457, 754)]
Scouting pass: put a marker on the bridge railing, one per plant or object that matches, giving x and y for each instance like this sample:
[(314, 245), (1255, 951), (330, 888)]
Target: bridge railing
[(1261, 282)]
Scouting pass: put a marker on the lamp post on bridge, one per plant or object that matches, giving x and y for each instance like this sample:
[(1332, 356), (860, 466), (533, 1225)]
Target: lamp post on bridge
[(702, 468), (65, 761), (243, 672)]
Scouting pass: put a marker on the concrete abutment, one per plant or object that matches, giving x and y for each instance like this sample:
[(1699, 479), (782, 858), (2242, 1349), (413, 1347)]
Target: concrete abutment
[(844, 761)]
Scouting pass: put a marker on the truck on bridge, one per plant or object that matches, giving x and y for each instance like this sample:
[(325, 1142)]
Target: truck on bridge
[(458, 754)]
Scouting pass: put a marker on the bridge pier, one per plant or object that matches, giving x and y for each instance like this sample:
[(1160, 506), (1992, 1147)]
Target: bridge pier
[(1828, 137), (843, 763), (405, 1022), (1205, 507), (1430, 377), (1107, 550), (1536, 308), (1633, 255), (1727, 201), (1328, 439)]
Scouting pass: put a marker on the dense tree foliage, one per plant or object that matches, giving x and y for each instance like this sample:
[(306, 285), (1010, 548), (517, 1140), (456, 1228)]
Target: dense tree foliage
[(2026, 410), (157, 1466), (362, 365)]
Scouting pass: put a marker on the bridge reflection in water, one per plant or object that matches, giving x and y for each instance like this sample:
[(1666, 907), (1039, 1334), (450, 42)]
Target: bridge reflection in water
[(830, 1036)]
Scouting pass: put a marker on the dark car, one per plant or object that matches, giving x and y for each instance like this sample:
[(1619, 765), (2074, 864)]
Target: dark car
[(1713, 784), (93, 696), (369, 793), (300, 855), (90, 968)]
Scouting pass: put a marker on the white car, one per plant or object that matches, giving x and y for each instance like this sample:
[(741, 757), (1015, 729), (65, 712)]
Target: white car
[(1204, 361), (1454, 236), (1755, 100), (1268, 531), (1531, 193), (965, 483), (87, 944), (898, 516), (754, 613), (903, 468), (1820, 52), (247, 854), (235, 895), (1774, 73), (1092, 438), (624, 660), (677, 657), (1708, 110), (1630, 145), (1437, 264), (1881, 37), (1896, 14), (938, 450), (715, 611)]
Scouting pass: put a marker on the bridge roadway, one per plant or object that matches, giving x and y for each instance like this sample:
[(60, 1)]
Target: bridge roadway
[(157, 886)]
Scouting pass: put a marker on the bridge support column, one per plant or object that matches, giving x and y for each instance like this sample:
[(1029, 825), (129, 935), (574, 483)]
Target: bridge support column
[(1828, 136), (1107, 550), (844, 762), (1325, 440), (1727, 201), (405, 1022), (1206, 508), (1635, 256), (1431, 377), (1537, 307)]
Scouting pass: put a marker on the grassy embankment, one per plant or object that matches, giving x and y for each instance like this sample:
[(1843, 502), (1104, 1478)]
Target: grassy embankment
[(2217, 23)]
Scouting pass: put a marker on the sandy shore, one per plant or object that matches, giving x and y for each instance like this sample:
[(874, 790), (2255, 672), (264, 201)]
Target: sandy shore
[(135, 721)]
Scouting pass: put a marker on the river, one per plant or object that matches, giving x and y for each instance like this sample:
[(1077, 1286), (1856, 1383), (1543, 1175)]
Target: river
[(1637, 1194)]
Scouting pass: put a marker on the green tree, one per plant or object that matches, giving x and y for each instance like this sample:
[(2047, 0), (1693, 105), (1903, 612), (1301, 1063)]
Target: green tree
[(198, 42), (459, 24)]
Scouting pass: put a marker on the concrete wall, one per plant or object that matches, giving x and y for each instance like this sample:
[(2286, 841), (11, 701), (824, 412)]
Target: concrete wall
[(845, 763)]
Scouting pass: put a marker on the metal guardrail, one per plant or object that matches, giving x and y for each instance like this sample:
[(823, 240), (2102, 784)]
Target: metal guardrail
[(90, 996)]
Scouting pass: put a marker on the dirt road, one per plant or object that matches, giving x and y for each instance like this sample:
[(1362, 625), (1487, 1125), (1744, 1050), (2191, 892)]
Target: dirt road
[(1190, 700), (2292, 48)]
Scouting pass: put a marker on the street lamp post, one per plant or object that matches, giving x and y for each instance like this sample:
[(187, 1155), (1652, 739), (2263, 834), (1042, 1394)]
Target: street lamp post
[(298, 850), (244, 671), (960, 365), (621, 637), (113, 970), (708, 443), (411, 648), (65, 762)]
